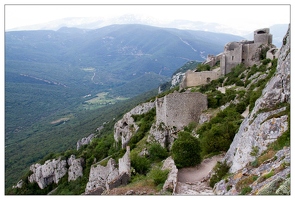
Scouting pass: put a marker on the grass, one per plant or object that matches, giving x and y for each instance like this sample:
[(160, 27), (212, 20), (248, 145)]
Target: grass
[(100, 100)]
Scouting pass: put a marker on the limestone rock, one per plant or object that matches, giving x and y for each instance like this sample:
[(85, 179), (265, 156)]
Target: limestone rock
[(260, 128), (278, 166), (204, 117), (126, 127), (171, 182), (18, 185), (50, 171), (75, 168), (85, 141), (176, 79)]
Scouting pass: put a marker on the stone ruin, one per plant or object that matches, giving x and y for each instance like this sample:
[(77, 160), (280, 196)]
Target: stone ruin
[(235, 53), (174, 112), (105, 178)]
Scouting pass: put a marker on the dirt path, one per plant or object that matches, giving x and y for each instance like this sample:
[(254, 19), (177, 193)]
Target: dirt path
[(197, 173)]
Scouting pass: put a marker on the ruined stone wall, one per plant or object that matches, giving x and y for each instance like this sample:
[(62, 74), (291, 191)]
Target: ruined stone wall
[(199, 78), (262, 36), (251, 54), (232, 55), (179, 109), (125, 163)]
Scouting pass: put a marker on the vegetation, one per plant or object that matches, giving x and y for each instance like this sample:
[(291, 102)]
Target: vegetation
[(157, 152), (186, 150), (217, 135), (220, 170)]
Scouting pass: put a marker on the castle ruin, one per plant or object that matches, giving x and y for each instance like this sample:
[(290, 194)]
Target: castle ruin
[(179, 109), (235, 53)]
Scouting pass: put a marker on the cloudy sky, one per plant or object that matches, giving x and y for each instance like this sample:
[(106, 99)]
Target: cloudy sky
[(242, 17)]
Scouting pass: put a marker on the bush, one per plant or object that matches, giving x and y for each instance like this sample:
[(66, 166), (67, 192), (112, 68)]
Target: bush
[(140, 164), (186, 150), (241, 107), (157, 152), (159, 176)]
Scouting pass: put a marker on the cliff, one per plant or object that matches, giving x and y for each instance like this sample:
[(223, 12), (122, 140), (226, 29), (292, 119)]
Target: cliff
[(263, 126)]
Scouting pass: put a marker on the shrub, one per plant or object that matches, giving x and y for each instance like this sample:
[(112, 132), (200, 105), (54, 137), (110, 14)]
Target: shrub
[(140, 164), (159, 176), (157, 152), (246, 190), (241, 107), (186, 150)]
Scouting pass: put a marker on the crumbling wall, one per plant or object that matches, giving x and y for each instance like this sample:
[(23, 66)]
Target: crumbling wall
[(105, 178), (199, 78), (179, 109)]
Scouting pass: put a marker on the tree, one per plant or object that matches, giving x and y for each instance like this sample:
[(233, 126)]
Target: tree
[(186, 150)]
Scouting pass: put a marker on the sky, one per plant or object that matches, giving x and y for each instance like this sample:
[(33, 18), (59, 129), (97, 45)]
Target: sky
[(242, 17)]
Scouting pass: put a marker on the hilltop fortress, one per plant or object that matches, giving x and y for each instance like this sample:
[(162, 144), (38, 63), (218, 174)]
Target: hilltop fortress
[(244, 52)]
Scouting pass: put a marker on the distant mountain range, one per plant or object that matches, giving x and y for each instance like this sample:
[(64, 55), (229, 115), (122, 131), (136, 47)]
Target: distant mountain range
[(278, 30), (67, 64)]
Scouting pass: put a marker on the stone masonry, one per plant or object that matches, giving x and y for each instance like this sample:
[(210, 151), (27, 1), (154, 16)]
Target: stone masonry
[(179, 109)]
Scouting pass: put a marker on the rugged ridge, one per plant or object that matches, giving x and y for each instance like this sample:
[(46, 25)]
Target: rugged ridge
[(257, 130), (263, 126)]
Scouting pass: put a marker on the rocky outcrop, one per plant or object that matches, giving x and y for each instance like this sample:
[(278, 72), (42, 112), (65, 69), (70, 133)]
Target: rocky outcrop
[(126, 127), (18, 185), (264, 124), (162, 134), (105, 178), (75, 168), (85, 141), (50, 172), (271, 177), (171, 182)]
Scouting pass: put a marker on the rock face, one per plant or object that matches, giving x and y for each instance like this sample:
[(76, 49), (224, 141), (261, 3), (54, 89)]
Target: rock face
[(84, 141), (105, 178), (76, 168), (271, 177), (262, 127), (126, 127), (171, 182), (51, 172)]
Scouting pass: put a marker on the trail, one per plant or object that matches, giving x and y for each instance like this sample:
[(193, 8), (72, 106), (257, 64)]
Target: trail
[(192, 180)]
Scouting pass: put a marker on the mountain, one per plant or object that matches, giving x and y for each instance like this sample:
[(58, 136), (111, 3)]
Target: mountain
[(229, 136), (56, 80), (95, 23)]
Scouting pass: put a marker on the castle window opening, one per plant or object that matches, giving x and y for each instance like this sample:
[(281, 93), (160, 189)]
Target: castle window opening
[(232, 58), (261, 32)]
